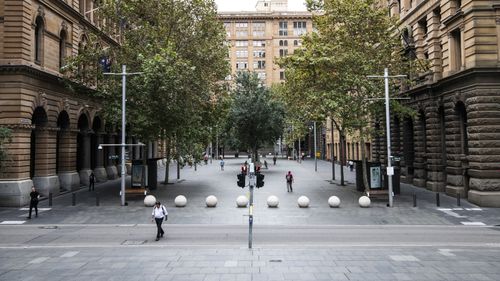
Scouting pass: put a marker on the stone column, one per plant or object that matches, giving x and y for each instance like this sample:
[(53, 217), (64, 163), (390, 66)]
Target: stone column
[(45, 180), (420, 163), (111, 170), (85, 171), (435, 180), (100, 171), (15, 181), (68, 176), (484, 154)]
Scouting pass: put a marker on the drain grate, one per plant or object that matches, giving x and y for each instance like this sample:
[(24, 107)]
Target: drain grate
[(48, 227), (133, 242), (275, 260)]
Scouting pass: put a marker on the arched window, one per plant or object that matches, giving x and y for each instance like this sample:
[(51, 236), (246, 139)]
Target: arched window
[(39, 40), (62, 48)]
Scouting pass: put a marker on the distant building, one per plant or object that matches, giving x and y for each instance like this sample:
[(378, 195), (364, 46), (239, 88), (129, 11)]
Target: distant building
[(257, 37)]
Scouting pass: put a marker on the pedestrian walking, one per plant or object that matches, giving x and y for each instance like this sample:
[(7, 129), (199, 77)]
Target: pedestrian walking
[(274, 160), (91, 181), (351, 165), (205, 159), (222, 164), (265, 164), (159, 213), (289, 181), (34, 196)]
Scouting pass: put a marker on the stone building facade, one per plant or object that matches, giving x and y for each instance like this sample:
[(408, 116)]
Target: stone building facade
[(452, 145), (257, 37), (55, 132)]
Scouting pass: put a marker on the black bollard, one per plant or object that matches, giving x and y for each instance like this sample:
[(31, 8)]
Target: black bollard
[(414, 200), (437, 200), (73, 201), (458, 199), (97, 198), (50, 199)]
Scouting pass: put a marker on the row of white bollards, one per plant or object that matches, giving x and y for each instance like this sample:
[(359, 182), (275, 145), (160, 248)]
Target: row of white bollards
[(272, 201)]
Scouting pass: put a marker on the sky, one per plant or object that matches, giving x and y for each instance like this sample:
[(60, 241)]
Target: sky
[(249, 5)]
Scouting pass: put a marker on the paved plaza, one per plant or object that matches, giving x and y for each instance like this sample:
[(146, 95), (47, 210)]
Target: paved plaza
[(111, 242)]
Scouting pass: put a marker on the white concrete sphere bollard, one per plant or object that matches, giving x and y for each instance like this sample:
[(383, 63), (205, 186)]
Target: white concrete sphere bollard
[(364, 202), (211, 201), (334, 202), (241, 201), (273, 201), (303, 202), (149, 201), (180, 201)]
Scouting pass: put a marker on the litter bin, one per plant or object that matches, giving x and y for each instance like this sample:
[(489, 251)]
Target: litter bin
[(396, 179)]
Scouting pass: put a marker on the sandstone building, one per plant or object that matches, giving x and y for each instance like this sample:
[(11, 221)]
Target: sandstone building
[(453, 144), (55, 132)]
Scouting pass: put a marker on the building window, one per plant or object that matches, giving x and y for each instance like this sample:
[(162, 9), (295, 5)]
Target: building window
[(283, 52), (259, 43), (241, 43), (455, 50), (39, 40), (422, 24), (456, 5), (241, 29), (242, 54), (259, 54), (62, 48), (283, 42), (241, 33), (297, 43), (283, 28), (261, 75), (258, 29), (242, 65), (299, 28), (282, 75), (259, 64), (242, 25), (227, 26)]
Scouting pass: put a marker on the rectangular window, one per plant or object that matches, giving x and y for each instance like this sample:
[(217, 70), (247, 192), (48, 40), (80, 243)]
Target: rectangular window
[(258, 29), (242, 65), (282, 75), (241, 33), (241, 43), (241, 25), (259, 43), (227, 26), (259, 64), (299, 28), (283, 28), (456, 50), (241, 54), (259, 54), (283, 52)]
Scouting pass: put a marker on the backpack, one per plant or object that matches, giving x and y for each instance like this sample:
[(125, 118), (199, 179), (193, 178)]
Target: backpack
[(289, 177)]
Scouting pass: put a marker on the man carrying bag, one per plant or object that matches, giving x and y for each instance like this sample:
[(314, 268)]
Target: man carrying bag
[(159, 213)]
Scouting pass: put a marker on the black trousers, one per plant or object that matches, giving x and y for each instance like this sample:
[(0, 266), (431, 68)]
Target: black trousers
[(289, 186), (33, 204), (160, 231), (91, 186)]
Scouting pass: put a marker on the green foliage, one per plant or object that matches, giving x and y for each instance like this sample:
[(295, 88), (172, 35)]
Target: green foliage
[(5, 136), (177, 45), (255, 118), (328, 75)]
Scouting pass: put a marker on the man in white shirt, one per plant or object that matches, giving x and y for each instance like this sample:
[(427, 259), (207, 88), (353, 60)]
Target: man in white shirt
[(159, 213)]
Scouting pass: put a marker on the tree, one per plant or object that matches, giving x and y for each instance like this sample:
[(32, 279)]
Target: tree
[(354, 39), (178, 45), (255, 118), (5, 136)]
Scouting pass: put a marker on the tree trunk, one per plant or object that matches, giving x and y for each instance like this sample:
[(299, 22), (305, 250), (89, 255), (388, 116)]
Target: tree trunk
[(342, 156), (363, 161), (168, 156), (332, 149)]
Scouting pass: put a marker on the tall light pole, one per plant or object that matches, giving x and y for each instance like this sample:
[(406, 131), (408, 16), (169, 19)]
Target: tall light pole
[(315, 149), (390, 169), (123, 144)]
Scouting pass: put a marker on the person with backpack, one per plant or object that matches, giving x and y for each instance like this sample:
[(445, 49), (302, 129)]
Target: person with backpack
[(289, 181), (159, 213)]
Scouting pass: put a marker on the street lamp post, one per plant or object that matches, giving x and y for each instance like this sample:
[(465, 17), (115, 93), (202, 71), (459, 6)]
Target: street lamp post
[(123, 74), (390, 169), (315, 148)]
